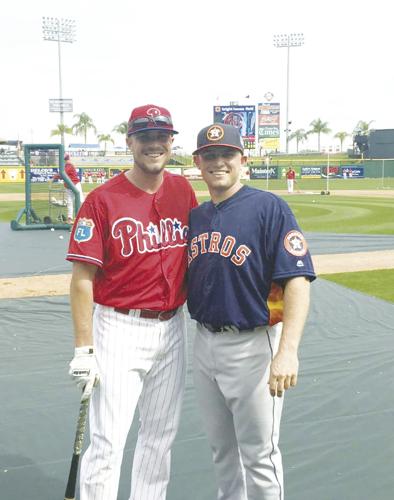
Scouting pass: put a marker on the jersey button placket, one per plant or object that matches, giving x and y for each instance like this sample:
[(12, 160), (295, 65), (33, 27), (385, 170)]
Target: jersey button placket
[(156, 207), (213, 279)]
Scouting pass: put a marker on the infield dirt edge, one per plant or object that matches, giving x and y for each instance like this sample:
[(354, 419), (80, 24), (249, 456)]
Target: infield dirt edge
[(59, 284)]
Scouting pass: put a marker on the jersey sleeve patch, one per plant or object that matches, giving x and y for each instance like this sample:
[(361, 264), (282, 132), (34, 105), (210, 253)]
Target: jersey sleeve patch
[(84, 230), (295, 243)]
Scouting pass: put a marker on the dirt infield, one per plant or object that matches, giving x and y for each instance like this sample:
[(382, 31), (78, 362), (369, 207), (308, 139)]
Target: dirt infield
[(59, 284), (51, 285)]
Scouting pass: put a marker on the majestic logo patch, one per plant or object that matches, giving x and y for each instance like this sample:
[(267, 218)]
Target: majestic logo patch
[(295, 243), (84, 230), (215, 133)]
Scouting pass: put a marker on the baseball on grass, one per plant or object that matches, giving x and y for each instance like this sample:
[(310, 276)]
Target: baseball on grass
[(52, 228), (313, 201), (61, 237)]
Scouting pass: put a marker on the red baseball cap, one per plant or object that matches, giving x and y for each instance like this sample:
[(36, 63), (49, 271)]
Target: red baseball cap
[(150, 117)]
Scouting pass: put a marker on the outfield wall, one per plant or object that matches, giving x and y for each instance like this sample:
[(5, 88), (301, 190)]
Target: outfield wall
[(311, 169), (371, 169)]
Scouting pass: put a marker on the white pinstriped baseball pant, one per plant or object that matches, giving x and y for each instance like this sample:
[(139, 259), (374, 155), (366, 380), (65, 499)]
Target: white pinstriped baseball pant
[(141, 362), (241, 418)]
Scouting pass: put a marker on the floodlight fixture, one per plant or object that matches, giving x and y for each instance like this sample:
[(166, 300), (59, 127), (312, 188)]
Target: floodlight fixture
[(60, 30)]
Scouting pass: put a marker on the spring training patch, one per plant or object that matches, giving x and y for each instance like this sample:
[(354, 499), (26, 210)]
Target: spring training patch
[(295, 243), (84, 230)]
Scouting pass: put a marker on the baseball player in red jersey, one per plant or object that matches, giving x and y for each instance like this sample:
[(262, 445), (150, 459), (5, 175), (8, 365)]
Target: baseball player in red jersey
[(290, 176), (74, 178), (128, 248)]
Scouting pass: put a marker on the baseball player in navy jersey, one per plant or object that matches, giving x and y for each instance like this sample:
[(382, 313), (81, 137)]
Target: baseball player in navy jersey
[(249, 278), (129, 252)]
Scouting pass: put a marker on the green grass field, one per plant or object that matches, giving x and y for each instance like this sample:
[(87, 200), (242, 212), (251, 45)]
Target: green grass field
[(314, 212), (305, 185), (376, 283)]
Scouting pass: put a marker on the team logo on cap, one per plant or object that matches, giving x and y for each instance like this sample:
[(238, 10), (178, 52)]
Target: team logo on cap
[(295, 243), (215, 133), (153, 112)]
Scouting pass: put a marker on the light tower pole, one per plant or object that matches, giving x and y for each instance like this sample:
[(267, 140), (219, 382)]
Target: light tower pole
[(59, 30), (290, 40)]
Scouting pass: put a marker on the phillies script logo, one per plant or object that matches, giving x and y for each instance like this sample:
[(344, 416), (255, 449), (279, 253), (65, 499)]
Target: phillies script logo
[(153, 238)]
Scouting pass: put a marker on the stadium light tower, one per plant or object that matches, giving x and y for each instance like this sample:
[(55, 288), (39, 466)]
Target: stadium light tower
[(59, 30), (290, 40)]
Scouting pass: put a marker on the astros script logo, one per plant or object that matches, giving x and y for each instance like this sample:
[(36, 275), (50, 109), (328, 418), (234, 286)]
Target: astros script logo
[(215, 133), (295, 243)]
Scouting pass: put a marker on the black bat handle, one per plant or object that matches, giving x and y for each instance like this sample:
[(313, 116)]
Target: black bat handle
[(81, 425), (72, 478)]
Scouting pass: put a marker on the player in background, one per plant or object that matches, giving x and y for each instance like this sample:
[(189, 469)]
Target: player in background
[(74, 177), (129, 252), (249, 278), (290, 177)]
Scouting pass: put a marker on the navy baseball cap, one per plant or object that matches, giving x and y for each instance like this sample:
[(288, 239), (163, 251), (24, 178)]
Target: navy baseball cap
[(150, 117), (219, 134)]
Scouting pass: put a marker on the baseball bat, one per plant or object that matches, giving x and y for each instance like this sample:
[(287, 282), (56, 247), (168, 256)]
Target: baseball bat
[(79, 434)]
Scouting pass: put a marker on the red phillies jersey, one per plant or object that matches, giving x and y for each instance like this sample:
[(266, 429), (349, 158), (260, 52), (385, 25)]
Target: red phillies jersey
[(71, 172), (138, 241), (290, 174)]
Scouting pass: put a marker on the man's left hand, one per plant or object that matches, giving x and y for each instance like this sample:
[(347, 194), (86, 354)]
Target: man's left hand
[(283, 372)]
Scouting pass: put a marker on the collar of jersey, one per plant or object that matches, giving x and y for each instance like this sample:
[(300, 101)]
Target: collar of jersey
[(233, 197)]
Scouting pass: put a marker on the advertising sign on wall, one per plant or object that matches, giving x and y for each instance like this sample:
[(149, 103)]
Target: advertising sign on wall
[(268, 128), (261, 173), (351, 172), (42, 174), (242, 117), (311, 172)]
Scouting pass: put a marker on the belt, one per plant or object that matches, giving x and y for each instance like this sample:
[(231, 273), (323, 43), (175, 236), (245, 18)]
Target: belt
[(225, 328), (149, 313)]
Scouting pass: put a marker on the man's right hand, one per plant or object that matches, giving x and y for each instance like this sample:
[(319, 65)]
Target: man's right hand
[(83, 370)]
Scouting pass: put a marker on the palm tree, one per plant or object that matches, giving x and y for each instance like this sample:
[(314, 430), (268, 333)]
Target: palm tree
[(121, 128), (299, 135), (61, 130), (83, 124), (319, 127), (362, 128), (105, 138), (341, 136)]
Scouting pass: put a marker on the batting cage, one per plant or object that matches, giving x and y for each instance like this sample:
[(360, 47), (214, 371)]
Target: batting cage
[(46, 189)]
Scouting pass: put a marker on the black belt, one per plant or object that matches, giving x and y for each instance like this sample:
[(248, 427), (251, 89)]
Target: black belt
[(225, 328), (149, 313)]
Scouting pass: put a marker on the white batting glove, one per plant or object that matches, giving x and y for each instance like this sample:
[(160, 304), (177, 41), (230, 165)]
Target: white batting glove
[(84, 371)]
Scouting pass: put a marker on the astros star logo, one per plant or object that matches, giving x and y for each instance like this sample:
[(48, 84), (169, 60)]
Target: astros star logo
[(295, 243), (215, 133)]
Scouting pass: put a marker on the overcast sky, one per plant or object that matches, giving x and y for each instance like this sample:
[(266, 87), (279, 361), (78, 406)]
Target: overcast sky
[(190, 55)]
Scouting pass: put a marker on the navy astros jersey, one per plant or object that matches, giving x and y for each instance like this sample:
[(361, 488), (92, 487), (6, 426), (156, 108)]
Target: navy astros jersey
[(240, 251)]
